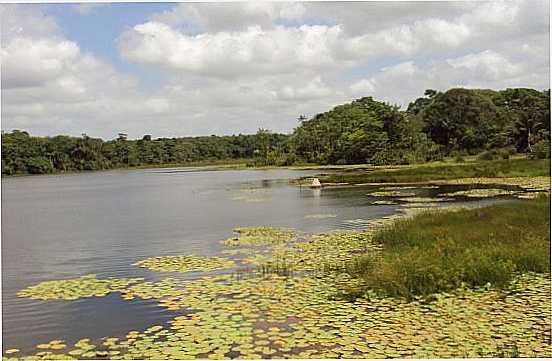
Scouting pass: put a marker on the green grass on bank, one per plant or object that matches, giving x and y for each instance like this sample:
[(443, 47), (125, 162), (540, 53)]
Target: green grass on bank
[(443, 250), (427, 172)]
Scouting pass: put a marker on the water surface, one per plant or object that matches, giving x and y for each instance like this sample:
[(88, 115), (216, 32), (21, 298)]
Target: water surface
[(66, 226)]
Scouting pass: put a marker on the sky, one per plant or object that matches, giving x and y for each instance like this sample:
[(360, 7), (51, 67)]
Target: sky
[(186, 69)]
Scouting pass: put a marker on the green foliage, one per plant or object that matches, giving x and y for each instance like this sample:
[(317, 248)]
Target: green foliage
[(541, 150), (494, 154), (462, 119), (25, 154), (528, 112), (364, 131), (477, 119), (350, 133), (39, 165), (440, 251)]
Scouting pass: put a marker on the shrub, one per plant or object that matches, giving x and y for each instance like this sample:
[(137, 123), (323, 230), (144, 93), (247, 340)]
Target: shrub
[(459, 159), (486, 155), (503, 154), (541, 150), (39, 165)]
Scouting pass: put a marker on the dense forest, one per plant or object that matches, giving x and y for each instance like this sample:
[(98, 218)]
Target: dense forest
[(455, 122), (494, 124)]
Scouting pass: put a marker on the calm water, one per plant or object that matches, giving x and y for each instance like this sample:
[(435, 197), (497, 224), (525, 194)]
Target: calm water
[(56, 227)]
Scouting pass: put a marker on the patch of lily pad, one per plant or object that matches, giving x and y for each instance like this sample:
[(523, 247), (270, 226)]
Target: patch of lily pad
[(254, 236), (482, 193), (307, 317), (383, 203), (73, 289), (322, 252), (185, 263), (527, 183), (424, 199), (391, 193)]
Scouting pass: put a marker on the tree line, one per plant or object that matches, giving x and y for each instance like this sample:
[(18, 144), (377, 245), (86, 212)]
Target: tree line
[(23, 153), (456, 122)]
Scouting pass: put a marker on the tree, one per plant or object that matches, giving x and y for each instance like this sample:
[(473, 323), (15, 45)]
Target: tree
[(351, 133), (462, 119), (528, 111)]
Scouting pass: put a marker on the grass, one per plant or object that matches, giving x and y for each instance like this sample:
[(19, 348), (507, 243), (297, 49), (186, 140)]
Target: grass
[(438, 171), (439, 251)]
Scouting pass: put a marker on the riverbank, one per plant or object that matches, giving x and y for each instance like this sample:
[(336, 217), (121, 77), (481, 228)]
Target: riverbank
[(443, 171), (448, 168)]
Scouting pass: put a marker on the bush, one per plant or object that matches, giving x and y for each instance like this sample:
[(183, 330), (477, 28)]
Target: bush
[(495, 154), (503, 154), (486, 155), (39, 165), (459, 159), (541, 150)]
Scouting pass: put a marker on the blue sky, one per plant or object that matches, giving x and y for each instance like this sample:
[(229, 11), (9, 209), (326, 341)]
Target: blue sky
[(172, 69), (97, 31)]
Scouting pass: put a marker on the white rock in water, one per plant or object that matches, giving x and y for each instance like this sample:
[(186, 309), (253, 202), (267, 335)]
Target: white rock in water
[(316, 183)]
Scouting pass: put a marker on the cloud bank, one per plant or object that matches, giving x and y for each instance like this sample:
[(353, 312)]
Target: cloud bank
[(234, 67)]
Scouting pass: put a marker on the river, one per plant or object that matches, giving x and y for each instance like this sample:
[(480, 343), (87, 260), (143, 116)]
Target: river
[(65, 226)]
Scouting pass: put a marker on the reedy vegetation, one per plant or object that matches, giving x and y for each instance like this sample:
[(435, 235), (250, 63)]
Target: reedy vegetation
[(456, 122), (439, 251), (442, 170)]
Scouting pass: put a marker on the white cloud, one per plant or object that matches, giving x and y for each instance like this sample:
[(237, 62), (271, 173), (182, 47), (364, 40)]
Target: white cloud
[(215, 17), (487, 65), (27, 62), (404, 82), (363, 87), (235, 67), (316, 88), (230, 54)]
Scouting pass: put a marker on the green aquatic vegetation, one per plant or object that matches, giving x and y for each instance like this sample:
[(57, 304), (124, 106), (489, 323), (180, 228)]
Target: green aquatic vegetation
[(153, 290), (541, 183), (302, 318), (423, 206), (253, 236), (424, 199), (398, 188), (322, 252), (441, 250), (72, 289), (522, 168), (532, 195), (482, 193), (185, 263), (393, 193), (383, 203)]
